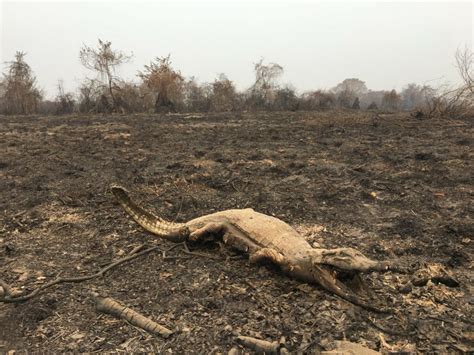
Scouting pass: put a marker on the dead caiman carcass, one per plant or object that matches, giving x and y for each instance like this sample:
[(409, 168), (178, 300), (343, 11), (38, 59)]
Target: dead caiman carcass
[(263, 238)]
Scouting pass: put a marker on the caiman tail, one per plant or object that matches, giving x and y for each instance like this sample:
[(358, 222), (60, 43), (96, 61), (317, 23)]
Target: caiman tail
[(176, 232)]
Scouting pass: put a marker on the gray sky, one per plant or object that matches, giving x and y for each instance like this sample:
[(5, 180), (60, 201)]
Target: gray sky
[(386, 44)]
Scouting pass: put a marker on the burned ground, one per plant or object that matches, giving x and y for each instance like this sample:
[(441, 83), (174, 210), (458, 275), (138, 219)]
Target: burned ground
[(393, 187)]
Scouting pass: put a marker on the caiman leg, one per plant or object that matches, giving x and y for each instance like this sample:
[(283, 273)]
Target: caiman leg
[(208, 229), (231, 235), (268, 254)]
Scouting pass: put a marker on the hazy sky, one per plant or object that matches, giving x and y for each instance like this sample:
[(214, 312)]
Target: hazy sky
[(386, 44)]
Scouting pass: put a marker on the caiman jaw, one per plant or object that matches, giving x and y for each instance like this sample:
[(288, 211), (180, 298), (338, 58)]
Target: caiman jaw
[(154, 224)]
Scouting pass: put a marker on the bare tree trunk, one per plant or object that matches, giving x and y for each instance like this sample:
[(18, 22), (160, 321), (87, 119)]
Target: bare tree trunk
[(114, 103)]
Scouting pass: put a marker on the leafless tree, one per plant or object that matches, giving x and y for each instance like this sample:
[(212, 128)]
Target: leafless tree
[(457, 102), (165, 84), (391, 100), (346, 98), (318, 100), (263, 90), (372, 96), (355, 86), (104, 61), (286, 99), (19, 94), (224, 94), (89, 96), (465, 66), (65, 101), (197, 98), (348, 91), (131, 97), (414, 96)]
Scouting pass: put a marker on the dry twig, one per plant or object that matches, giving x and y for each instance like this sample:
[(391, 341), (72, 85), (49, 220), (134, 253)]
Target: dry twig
[(10, 298)]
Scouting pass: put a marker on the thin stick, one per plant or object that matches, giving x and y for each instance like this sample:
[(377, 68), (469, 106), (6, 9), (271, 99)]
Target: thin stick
[(166, 257), (8, 298), (388, 331)]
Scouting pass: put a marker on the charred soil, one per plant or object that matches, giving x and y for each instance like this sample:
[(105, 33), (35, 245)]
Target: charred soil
[(393, 187)]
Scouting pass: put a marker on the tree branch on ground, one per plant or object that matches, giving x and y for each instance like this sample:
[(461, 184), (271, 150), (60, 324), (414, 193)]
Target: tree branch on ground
[(263, 346), (10, 297), (110, 306)]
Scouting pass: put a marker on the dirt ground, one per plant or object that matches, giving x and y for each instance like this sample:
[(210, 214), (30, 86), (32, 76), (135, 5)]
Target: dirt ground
[(394, 187)]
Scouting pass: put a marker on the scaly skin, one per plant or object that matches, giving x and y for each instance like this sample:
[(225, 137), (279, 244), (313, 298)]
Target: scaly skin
[(177, 232), (263, 238)]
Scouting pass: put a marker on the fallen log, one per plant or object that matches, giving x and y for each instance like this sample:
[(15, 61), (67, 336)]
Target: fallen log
[(110, 306), (263, 346)]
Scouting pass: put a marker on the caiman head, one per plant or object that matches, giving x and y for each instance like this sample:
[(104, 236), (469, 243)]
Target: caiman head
[(349, 259), (177, 232)]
